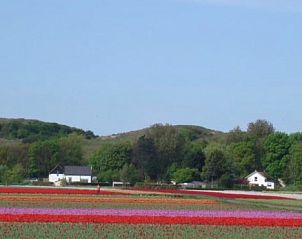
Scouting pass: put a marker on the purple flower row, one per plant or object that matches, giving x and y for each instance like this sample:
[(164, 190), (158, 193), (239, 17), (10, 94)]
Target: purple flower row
[(142, 212)]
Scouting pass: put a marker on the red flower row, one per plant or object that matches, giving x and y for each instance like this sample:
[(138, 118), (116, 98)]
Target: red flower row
[(56, 191), (227, 221), (214, 194)]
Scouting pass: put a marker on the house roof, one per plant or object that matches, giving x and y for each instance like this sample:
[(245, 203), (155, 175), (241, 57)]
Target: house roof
[(58, 169), (264, 174), (77, 170)]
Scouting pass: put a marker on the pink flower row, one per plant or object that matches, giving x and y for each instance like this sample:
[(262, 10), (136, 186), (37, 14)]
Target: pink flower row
[(154, 212)]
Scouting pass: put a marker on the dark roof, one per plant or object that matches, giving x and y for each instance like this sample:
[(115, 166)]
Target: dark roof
[(266, 175), (59, 169), (77, 170)]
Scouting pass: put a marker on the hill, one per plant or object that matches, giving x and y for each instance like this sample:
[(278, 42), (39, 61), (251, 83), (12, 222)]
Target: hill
[(191, 132), (26, 130), (14, 131)]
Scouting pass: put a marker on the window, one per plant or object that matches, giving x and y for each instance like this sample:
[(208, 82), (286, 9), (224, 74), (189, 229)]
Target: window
[(256, 179)]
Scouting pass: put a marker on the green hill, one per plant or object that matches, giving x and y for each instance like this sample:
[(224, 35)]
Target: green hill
[(191, 132), (16, 131), (32, 130)]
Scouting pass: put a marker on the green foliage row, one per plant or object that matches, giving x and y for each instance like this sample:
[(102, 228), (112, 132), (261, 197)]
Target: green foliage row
[(38, 158), (162, 154), (33, 130), (165, 153)]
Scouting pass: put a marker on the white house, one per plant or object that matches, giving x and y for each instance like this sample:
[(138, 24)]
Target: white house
[(72, 174), (260, 179), (56, 174)]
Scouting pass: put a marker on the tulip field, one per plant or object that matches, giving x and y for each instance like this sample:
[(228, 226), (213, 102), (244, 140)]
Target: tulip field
[(78, 213)]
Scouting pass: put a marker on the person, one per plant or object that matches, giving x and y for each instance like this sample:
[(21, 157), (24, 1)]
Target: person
[(98, 189)]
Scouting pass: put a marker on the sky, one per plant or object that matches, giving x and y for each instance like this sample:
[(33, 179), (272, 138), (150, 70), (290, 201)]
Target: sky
[(113, 66)]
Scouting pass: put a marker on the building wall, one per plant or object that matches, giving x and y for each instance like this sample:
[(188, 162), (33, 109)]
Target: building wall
[(258, 179), (55, 177), (69, 178), (77, 178)]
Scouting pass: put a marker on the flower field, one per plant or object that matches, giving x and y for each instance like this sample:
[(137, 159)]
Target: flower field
[(49, 213), (56, 191), (214, 194)]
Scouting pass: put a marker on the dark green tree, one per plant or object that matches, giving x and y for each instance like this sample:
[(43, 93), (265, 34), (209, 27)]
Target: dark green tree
[(277, 148), (294, 170), (216, 163), (193, 156), (244, 157), (169, 145), (145, 158), (111, 157), (43, 156), (70, 150), (260, 128), (11, 175), (129, 174)]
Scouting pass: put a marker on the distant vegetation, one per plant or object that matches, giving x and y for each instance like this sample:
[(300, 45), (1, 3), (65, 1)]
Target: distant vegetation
[(30, 149), (33, 130)]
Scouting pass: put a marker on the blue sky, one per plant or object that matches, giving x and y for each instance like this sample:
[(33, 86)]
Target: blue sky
[(113, 66)]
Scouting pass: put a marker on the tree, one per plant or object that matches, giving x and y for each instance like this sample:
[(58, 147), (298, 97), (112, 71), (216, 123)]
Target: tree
[(169, 145), (235, 135), (12, 154), (193, 156), (260, 128), (226, 181), (145, 159), (15, 174), (295, 137), (129, 174), (111, 157), (277, 148), (108, 176), (4, 174), (216, 163), (244, 157), (257, 132), (184, 175), (294, 170), (70, 150), (43, 156), (11, 175)]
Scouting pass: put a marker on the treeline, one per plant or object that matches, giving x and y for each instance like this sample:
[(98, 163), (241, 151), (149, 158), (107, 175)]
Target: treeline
[(30, 148), (165, 153), (32, 130), (35, 160)]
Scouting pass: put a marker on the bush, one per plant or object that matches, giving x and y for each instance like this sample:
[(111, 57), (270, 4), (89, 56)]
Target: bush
[(155, 186), (225, 181), (241, 187), (184, 175), (42, 183), (258, 188)]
